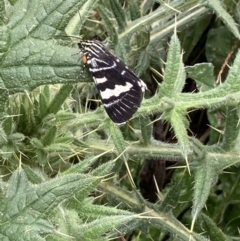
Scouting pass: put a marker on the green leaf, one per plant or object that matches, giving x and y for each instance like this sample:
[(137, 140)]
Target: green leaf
[(174, 76), (110, 27), (103, 169), (146, 6), (220, 43), (32, 175), (95, 223), (210, 229), (224, 16), (190, 39), (59, 99), (76, 23), (198, 149), (43, 105), (146, 129), (180, 124), (90, 211), (67, 223), (231, 131), (2, 12), (91, 231), (226, 94), (118, 13), (46, 92), (141, 53), (171, 199), (203, 75), (3, 99), (204, 177), (49, 136), (82, 166), (21, 210), (7, 125), (4, 43), (16, 137), (117, 138), (141, 23), (58, 148), (134, 10), (26, 206), (122, 50), (31, 55)]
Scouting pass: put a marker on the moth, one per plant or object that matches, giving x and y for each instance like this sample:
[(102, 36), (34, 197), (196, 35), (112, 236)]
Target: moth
[(120, 90)]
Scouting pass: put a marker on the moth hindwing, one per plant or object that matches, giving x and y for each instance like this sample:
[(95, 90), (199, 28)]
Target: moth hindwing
[(121, 91)]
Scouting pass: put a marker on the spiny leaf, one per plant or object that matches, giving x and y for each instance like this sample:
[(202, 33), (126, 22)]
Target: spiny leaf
[(49, 136), (7, 125), (118, 13), (32, 175), (31, 57), (82, 166), (3, 99), (232, 127), (87, 229), (76, 23), (117, 138), (171, 199), (134, 10), (208, 226), (180, 124), (59, 99), (204, 177), (26, 206), (112, 33), (224, 15), (104, 169), (174, 76), (146, 129), (88, 210), (93, 229)]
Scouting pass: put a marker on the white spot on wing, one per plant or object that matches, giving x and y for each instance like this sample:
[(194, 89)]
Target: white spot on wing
[(100, 80), (103, 68), (118, 90), (94, 63), (111, 103), (123, 72), (142, 85)]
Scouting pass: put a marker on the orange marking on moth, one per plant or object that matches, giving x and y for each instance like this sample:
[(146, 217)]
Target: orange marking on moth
[(84, 59)]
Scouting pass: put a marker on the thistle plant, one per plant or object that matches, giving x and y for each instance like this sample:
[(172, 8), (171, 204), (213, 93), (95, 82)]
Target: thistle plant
[(68, 172)]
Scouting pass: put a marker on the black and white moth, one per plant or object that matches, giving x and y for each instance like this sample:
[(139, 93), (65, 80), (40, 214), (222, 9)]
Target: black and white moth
[(121, 91)]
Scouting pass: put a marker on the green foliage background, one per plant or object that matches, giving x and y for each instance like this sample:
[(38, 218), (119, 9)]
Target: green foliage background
[(67, 171)]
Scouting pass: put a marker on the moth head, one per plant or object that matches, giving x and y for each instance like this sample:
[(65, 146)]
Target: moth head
[(81, 46)]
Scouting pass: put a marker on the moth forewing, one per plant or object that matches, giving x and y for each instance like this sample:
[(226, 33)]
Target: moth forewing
[(121, 91)]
